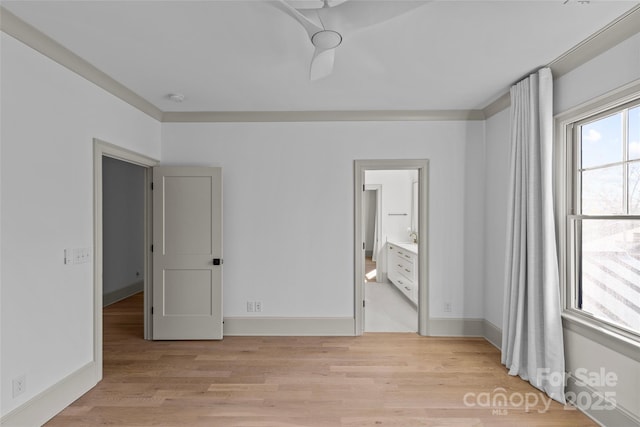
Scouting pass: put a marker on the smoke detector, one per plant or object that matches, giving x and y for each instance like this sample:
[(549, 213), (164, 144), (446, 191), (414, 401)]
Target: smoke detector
[(176, 97)]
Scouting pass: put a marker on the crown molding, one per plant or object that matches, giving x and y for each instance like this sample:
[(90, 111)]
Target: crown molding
[(320, 116), (502, 103), (29, 35), (613, 34)]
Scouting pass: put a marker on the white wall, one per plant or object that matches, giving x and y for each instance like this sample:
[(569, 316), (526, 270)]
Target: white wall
[(288, 206), (473, 226), (123, 199), (495, 225), (396, 198), (49, 118), (612, 69)]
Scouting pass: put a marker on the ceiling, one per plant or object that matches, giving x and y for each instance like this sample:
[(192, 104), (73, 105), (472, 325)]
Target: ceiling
[(236, 55)]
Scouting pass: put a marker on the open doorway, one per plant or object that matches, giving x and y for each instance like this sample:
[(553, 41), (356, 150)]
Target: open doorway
[(391, 251), (122, 230), (102, 150), (391, 292)]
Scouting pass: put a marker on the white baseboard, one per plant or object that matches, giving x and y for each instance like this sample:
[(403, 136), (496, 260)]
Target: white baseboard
[(289, 326), (120, 294), (344, 326), (456, 327), (615, 417), (45, 405), (493, 334)]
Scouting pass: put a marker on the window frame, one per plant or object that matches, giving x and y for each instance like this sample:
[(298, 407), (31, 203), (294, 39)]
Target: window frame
[(567, 201)]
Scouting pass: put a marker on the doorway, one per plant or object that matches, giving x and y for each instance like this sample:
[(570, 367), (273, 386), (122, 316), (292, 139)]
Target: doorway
[(123, 230), (102, 150), (401, 237), (391, 299)]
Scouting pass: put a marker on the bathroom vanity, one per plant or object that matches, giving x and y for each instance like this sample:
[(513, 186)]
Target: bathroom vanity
[(402, 268)]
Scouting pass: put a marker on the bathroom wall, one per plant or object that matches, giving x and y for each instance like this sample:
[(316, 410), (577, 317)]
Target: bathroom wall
[(396, 202)]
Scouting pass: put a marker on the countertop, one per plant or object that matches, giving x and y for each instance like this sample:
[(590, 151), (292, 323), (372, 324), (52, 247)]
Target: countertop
[(409, 246)]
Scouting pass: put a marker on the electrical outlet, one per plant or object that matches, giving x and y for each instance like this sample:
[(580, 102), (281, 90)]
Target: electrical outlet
[(19, 385), (447, 307), (251, 306), (258, 306)]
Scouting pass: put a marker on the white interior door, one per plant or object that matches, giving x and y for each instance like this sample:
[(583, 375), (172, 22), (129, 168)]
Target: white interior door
[(187, 253)]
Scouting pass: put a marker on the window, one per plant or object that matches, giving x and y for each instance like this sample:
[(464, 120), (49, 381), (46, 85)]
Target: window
[(603, 227)]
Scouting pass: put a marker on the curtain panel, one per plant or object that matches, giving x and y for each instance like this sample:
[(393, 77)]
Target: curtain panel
[(532, 341)]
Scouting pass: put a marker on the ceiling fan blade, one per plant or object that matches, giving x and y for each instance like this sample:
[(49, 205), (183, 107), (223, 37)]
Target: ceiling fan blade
[(310, 26), (354, 15), (322, 63)]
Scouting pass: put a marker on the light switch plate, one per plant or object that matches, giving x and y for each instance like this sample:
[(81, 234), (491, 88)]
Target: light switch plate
[(68, 256)]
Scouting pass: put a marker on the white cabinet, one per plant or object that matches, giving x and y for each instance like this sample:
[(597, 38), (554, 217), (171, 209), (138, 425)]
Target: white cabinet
[(402, 270)]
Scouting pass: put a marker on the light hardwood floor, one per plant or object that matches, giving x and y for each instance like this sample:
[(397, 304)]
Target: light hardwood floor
[(399, 380)]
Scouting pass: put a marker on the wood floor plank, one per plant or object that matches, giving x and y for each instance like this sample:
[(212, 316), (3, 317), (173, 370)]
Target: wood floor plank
[(393, 380)]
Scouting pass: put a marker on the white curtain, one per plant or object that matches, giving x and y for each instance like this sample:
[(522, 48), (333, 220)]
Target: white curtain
[(532, 343)]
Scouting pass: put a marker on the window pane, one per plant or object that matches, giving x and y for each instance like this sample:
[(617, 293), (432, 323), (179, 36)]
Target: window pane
[(610, 274), (602, 142), (634, 188), (602, 191), (634, 133)]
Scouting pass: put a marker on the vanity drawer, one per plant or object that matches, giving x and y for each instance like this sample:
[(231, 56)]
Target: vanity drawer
[(406, 286), (403, 266), (402, 270), (404, 254)]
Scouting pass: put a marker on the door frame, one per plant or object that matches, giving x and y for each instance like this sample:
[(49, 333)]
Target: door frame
[(422, 166), (104, 149)]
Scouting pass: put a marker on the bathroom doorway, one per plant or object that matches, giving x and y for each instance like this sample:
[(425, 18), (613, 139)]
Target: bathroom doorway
[(391, 251), (391, 246)]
